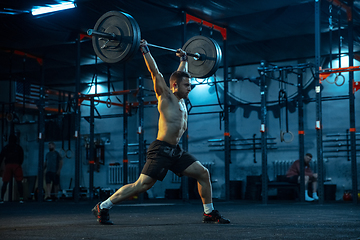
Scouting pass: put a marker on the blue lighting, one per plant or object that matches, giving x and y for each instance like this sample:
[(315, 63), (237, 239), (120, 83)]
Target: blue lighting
[(52, 8), (99, 89)]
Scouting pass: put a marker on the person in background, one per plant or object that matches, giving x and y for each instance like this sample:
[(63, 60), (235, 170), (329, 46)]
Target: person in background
[(293, 175), (53, 165), (13, 156)]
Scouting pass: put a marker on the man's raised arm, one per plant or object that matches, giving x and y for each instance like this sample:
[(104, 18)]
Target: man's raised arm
[(158, 79), (183, 60)]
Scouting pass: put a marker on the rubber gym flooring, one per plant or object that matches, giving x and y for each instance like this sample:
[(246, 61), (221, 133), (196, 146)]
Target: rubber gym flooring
[(176, 219)]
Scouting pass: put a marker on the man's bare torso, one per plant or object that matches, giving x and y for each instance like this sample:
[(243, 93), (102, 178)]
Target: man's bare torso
[(173, 118)]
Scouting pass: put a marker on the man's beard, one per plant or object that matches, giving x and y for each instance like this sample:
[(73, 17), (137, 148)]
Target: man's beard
[(185, 95)]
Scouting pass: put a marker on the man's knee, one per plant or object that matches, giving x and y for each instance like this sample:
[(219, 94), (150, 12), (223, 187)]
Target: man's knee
[(197, 171), (204, 174)]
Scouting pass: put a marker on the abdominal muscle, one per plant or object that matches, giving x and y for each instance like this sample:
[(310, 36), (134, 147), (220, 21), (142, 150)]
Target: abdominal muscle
[(172, 120)]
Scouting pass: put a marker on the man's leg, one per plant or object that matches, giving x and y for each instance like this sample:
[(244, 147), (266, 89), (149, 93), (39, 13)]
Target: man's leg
[(48, 180), (101, 210), (201, 174), (56, 186), (143, 184), (6, 178), (314, 185), (307, 197), (20, 190), (56, 191), (19, 176), (3, 190), (48, 191)]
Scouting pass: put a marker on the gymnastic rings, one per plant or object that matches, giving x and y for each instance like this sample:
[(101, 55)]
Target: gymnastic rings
[(108, 102), (327, 79), (337, 78), (288, 139), (62, 153), (98, 101), (9, 117), (69, 154)]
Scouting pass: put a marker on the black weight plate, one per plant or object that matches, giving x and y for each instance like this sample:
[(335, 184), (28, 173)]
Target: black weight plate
[(137, 38), (210, 59), (126, 28)]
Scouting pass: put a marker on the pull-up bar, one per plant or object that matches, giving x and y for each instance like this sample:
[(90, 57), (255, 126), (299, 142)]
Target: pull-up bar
[(324, 73), (24, 54), (208, 24), (88, 96)]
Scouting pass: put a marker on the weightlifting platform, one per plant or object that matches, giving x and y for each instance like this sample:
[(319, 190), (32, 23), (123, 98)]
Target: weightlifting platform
[(175, 219)]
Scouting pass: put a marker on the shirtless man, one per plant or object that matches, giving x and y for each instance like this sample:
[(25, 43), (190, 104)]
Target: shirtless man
[(164, 153)]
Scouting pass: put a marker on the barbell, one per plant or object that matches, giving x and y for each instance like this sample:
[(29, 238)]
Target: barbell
[(116, 38)]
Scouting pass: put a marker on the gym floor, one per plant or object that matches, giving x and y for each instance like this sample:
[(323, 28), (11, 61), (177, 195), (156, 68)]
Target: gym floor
[(175, 219)]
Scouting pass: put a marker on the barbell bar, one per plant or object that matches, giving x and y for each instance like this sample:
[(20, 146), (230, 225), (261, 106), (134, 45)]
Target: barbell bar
[(197, 56), (110, 36), (116, 38)]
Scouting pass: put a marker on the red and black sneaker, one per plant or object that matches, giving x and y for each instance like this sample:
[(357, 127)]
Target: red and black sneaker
[(102, 215), (214, 217)]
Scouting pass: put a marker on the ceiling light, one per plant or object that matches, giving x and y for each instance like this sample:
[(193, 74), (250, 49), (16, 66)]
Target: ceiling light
[(52, 8), (11, 11)]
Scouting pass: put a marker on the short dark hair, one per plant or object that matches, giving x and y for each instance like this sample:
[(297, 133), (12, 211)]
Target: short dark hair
[(177, 76), (309, 155)]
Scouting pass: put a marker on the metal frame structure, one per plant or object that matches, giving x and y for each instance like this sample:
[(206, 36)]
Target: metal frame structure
[(227, 137), (319, 144), (185, 140), (41, 127), (264, 70), (263, 130), (352, 89)]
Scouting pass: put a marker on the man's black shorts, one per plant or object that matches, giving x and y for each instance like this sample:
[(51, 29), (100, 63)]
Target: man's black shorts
[(162, 156), (52, 177)]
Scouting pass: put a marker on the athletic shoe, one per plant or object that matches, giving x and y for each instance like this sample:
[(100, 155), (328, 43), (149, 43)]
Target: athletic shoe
[(102, 215), (315, 196), (308, 199), (214, 217), (21, 200)]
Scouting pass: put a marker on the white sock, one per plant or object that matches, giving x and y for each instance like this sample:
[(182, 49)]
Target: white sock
[(208, 208), (106, 204)]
